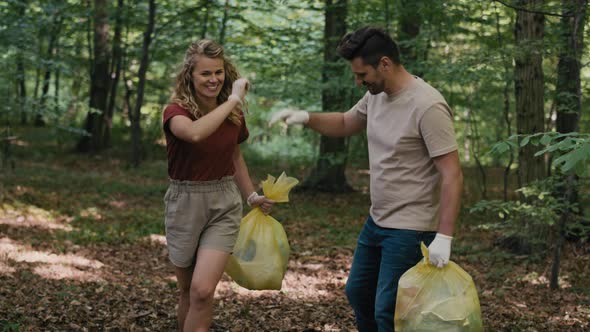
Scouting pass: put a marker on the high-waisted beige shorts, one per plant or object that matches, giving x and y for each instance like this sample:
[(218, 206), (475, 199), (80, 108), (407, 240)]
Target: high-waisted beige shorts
[(203, 214)]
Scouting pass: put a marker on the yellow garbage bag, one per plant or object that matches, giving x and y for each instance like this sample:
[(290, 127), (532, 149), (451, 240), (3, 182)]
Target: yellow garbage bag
[(433, 299), (261, 253)]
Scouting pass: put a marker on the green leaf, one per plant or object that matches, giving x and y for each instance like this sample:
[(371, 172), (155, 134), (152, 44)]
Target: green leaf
[(546, 139)]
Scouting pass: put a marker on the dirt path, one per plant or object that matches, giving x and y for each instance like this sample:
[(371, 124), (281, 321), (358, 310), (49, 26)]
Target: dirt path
[(132, 288), (50, 284)]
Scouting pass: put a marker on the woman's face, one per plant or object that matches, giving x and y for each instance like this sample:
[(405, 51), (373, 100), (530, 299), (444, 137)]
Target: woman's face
[(208, 77)]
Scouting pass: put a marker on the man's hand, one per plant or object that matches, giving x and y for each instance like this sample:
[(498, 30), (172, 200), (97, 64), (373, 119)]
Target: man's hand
[(440, 250), (290, 117), (255, 200)]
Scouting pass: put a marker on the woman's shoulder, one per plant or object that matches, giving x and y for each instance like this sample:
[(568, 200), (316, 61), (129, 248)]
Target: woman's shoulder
[(173, 109)]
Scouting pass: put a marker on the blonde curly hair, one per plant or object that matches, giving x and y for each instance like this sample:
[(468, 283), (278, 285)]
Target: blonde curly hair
[(184, 91)]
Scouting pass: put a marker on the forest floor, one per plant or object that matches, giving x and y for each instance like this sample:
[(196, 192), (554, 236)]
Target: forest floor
[(82, 249)]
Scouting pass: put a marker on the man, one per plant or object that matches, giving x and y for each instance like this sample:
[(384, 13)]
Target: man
[(416, 179)]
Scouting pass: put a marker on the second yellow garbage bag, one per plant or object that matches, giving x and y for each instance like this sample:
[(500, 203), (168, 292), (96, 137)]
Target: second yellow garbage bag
[(261, 253), (433, 299)]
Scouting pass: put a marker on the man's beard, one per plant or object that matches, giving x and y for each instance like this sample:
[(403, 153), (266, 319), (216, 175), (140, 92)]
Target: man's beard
[(374, 88)]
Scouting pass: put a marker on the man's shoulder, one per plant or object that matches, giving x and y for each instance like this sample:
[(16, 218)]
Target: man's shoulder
[(427, 90), (426, 95)]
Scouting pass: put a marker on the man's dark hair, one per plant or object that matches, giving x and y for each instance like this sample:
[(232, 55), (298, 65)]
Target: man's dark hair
[(369, 43)]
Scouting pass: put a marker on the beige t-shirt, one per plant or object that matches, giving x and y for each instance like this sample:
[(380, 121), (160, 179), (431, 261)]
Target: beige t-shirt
[(405, 131)]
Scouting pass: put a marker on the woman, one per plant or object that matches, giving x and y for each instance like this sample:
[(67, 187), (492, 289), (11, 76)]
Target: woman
[(204, 125)]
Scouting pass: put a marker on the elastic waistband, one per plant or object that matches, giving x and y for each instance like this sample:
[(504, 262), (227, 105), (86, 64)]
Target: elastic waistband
[(227, 182)]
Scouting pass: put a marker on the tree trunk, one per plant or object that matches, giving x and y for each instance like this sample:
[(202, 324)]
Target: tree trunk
[(224, 22), (506, 94), (135, 115), (38, 69), (387, 15), (475, 138), (528, 87), (56, 82), (206, 5), (20, 70), (21, 88), (328, 175), (410, 21), (115, 71), (568, 104), (99, 83), (89, 39), (568, 95), (53, 38)]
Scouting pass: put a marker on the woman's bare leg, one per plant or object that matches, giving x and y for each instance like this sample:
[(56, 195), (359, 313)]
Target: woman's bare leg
[(208, 270), (184, 275)]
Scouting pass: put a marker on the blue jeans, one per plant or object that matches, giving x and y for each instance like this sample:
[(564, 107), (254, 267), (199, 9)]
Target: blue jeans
[(381, 257)]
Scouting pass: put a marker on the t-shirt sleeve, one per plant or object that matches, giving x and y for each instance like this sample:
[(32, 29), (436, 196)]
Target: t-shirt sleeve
[(171, 111), (244, 133), (360, 109), (436, 127)]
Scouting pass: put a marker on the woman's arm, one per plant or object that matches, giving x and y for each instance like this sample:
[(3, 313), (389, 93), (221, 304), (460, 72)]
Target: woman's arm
[(198, 130), (244, 183)]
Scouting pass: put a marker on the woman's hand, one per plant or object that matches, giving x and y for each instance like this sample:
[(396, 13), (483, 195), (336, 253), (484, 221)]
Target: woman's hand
[(240, 87), (265, 204)]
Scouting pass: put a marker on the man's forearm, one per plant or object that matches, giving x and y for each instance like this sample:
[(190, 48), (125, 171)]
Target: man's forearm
[(328, 124), (450, 203)]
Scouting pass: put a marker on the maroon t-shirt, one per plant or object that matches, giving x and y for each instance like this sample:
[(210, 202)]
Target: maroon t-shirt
[(209, 159)]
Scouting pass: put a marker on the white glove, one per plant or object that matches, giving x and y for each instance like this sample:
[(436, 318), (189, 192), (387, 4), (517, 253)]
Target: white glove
[(440, 250), (290, 117), (240, 88)]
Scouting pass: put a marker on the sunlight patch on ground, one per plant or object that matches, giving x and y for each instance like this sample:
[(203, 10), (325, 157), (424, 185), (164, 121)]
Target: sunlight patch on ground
[(569, 320), (49, 265), (535, 279), (60, 271), (91, 213), (156, 238), (6, 269), (118, 204), (31, 216), (302, 281)]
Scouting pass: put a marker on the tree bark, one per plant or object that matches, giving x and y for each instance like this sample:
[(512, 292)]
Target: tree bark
[(528, 86), (21, 88), (568, 102), (224, 23), (99, 84), (328, 174), (506, 112), (20, 70), (115, 71), (410, 22), (56, 81), (53, 38), (206, 5), (387, 15), (135, 115)]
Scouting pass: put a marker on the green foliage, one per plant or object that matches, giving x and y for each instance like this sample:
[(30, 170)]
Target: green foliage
[(534, 217), (570, 151), (8, 326), (462, 49)]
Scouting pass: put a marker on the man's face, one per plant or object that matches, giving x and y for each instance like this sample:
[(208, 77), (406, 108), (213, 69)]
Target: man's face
[(367, 76)]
